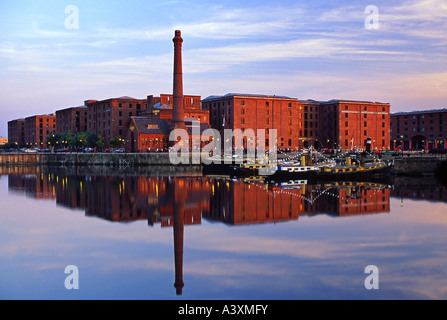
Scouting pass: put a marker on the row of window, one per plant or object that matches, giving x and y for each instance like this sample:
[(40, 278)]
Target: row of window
[(365, 124), (399, 136), (47, 120), (365, 133), (268, 122), (365, 116), (414, 122), (417, 129), (419, 116), (130, 106), (365, 108)]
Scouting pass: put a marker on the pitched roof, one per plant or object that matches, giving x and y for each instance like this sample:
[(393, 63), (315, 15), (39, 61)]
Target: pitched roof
[(146, 125), (160, 106)]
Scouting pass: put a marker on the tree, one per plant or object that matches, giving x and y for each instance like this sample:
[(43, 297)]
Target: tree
[(75, 140), (100, 142), (53, 139), (80, 140), (9, 145), (116, 142), (68, 139)]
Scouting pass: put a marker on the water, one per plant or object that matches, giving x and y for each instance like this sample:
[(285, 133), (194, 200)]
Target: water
[(234, 240)]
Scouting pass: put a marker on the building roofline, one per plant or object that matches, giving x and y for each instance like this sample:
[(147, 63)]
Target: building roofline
[(170, 94), (419, 112), (247, 95), (42, 115), (124, 98), (71, 108), (260, 96), (20, 119), (352, 101)]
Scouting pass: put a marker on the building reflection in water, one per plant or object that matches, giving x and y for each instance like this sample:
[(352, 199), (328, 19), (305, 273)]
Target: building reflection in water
[(182, 201), (238, 203)]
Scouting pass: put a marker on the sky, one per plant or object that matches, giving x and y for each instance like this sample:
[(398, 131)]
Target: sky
[(57, 54)]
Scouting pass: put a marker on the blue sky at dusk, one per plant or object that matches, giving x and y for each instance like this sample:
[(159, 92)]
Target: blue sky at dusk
[(317, 50)]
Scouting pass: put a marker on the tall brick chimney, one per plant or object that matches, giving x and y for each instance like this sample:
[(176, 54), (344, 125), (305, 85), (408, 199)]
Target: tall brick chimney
[(178, 116)]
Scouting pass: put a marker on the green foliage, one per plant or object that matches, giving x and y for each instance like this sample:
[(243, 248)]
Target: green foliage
[(116, 142), (75, 140), (9, 145)]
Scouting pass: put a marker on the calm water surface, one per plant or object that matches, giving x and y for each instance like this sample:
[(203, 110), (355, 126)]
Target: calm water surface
[(141, 237)]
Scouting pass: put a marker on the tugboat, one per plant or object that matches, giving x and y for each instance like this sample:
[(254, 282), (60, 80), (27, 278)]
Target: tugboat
[(309, 167), (348, 170), (345, 169), (306, 169)]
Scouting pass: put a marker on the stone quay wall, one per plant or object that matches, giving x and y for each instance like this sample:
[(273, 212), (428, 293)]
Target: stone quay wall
[(402, 166), (87, 159)]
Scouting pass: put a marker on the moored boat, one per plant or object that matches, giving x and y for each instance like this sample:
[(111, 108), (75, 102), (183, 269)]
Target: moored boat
[(347, 171)]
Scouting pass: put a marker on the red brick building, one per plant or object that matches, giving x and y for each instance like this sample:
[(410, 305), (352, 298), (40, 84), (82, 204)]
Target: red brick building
[(38, 128), (16, 131), (245, 111), (108, 118), (241, 203), (71, 119), (162, 108), (151, 134), (151, 129), (146, 134), (309, 124), (361, 125), (419, 130), (341, 124)]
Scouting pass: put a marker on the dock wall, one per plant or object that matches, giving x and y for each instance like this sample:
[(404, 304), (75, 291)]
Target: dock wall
[(90, 159), (107, 163), (402, 166)]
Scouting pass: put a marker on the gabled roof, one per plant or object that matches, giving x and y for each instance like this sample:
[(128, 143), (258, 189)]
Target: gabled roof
[(146, 125), (160, 106), (126, 98)]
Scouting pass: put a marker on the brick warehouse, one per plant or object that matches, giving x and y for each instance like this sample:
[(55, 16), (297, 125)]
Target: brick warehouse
[(347, 124), (335, 124), (300, 123), (243, 111), (71, 119), (108, 118), (419, 130), (38, 128), (16, 131)]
